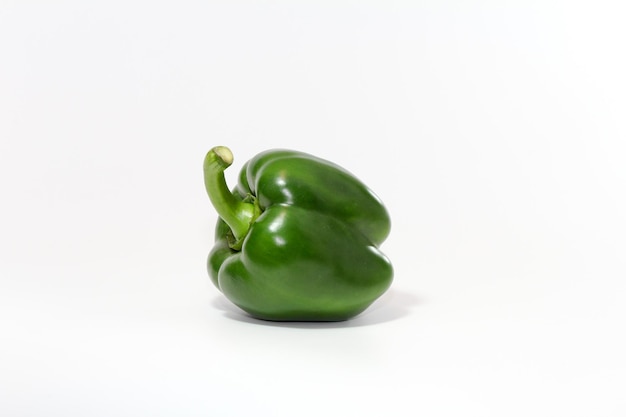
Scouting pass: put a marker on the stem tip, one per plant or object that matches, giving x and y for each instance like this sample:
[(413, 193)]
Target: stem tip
[(224, 154)]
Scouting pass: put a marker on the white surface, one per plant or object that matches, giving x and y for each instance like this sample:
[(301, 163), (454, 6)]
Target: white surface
[(494, 132)]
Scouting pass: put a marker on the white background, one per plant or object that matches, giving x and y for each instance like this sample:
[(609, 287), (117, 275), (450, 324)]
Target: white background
[(494, 131)]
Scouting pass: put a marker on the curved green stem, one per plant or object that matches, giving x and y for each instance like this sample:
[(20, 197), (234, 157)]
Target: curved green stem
[(237, 214)]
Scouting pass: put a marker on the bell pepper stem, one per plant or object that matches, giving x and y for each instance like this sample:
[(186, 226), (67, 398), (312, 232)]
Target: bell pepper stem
[(237, 214)]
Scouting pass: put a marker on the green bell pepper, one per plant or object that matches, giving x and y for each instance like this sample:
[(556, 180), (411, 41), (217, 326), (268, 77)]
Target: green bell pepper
[(297, 238)]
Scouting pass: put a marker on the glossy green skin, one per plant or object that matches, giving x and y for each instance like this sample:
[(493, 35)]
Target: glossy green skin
[(312, 255)]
